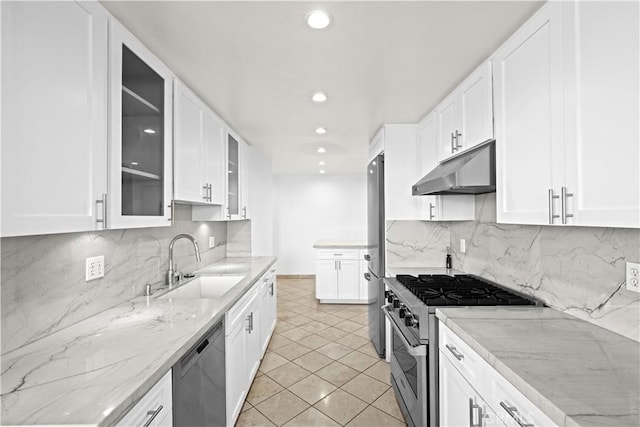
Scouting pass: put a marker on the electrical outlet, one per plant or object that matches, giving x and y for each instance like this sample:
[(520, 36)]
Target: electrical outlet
[(94, 268), (463, 245), (212, 241), (633, 276)]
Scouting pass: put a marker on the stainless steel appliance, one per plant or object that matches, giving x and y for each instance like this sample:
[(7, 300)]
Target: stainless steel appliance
[(199, 383), (472, 172), (375, 257), (411, 305)]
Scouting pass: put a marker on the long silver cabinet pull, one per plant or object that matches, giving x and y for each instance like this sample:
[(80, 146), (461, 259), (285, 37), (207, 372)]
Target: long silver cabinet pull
[(103, 202), (563, 198), (248, 328), (244, 212), (453, 147), (552, 216), (153, 414), (172, 211), (272, 289), (472, 407), (513, 413), (455, 352), (457, 138), (431, 214), (210, 192), (206, 192)]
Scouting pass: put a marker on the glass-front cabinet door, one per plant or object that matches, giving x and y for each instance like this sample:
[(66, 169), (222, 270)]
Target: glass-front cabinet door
[(233, 179), (140, 140)]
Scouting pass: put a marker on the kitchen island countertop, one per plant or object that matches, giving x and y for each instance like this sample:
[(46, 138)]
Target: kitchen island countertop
[(93, 371), (577, 373)]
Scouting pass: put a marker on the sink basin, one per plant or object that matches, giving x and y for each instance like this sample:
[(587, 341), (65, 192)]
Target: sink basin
[(204, 287)]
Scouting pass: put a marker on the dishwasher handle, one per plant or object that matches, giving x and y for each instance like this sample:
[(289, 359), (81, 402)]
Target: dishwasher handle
[(202, 346)]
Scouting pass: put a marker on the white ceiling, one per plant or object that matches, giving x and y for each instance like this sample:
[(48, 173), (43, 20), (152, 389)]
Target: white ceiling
[(257, 64)]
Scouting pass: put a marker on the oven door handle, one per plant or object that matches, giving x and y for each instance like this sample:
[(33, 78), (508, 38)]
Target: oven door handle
[(416, 349)]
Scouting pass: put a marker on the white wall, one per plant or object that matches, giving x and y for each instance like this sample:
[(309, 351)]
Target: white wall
[(261, 195), (316, 207)]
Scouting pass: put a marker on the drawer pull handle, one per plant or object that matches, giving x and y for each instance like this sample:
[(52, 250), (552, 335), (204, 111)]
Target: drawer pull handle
[(455, 352), (153, 414), (513, 413)]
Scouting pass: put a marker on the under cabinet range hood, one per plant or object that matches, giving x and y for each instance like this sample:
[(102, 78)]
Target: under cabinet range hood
[(473, 172)]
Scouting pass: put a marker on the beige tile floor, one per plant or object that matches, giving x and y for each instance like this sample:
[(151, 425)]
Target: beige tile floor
[(320, 368)]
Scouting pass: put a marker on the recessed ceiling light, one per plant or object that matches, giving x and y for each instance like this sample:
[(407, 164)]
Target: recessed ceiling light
[(149, 131), (321, 170), (320, 163), (321, 131), (318, 19), (321, 150), (134, 163), (319, 97)]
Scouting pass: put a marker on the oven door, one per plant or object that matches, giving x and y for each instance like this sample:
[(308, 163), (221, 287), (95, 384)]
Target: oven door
[(408, 372)]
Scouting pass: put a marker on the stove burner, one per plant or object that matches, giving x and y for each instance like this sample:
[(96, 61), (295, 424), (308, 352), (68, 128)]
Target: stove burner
[(440, 290)]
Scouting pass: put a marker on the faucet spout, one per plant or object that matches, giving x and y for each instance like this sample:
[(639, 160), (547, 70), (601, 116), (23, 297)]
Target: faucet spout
[(172, 275)]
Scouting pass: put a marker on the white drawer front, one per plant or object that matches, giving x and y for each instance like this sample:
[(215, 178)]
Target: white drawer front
[(237, 310), (510, 404), (463, 358), (338, 254), (156, 404)]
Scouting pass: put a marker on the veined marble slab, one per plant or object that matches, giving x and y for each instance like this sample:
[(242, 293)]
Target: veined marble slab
[(92, 372), (577, 373), (340, 244)]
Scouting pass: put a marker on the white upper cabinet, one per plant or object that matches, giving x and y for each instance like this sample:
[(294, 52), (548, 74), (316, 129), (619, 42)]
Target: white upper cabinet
[(140, 139), (54, 120), (602, 130), (198, 150), (465, 117), (401, 170), (566, 120), (438, 208), (238, 158), (528, 113)]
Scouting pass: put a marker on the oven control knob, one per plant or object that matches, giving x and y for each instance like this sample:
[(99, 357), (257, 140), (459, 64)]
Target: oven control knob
[(389, 297), (402, 312), (396, 303), (410, 320)]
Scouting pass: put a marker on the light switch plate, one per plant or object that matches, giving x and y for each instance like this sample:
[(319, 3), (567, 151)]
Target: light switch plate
[(212, 241), (463, 245), (94, 268), (633, 276)]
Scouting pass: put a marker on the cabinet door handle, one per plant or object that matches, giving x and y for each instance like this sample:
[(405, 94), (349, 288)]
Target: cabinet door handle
[(472, 407), (171, 211), (552, 216), (229, 212), (513, 413), (244, 212), (563, 199), (103, 202), (431, 214), (455, 352), (271, 289), (248, 328), (453, 147), (457, 138), (153, 414), (210, 192), (206, 192)]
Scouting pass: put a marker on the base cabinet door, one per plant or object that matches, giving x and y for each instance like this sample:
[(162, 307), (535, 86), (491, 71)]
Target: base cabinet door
[(236, 373), (326, 279), (154, 409), (54, 117), (348, 279)]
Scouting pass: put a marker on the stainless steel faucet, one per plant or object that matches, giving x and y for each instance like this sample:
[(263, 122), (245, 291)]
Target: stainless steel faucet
[(172, 275)]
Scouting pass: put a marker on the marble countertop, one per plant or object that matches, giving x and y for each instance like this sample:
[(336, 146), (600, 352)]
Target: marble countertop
[(342, 244), (92, 372), (577, 373)]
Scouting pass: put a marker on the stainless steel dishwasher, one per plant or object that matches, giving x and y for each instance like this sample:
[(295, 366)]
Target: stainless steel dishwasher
[(199, 383)]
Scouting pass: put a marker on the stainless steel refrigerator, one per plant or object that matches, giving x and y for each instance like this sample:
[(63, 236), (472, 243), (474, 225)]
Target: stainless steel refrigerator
[(375, 258)]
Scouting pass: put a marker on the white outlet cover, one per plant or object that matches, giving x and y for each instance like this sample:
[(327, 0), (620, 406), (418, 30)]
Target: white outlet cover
[(212, 241), (633, 276), (94, 268), (463, 245)]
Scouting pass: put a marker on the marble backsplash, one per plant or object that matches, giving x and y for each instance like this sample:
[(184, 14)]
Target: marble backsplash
[(577, 270), (43, 277)]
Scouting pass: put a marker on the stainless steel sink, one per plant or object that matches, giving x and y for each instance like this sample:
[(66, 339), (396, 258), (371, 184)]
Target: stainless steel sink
[(204, 287)]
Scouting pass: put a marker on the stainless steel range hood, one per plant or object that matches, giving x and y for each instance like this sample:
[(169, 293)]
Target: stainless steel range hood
[(473, 172)]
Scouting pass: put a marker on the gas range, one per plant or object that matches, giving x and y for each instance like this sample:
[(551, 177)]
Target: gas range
[(413, 298), (411, 305)]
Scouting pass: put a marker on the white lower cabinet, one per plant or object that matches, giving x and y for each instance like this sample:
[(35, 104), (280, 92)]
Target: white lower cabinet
[(268, 308), (472, 393), (155, 407), (339, 276)]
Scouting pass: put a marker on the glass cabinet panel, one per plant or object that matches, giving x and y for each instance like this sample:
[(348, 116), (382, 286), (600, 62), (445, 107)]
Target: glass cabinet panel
[(142, 138), (233, 183)]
